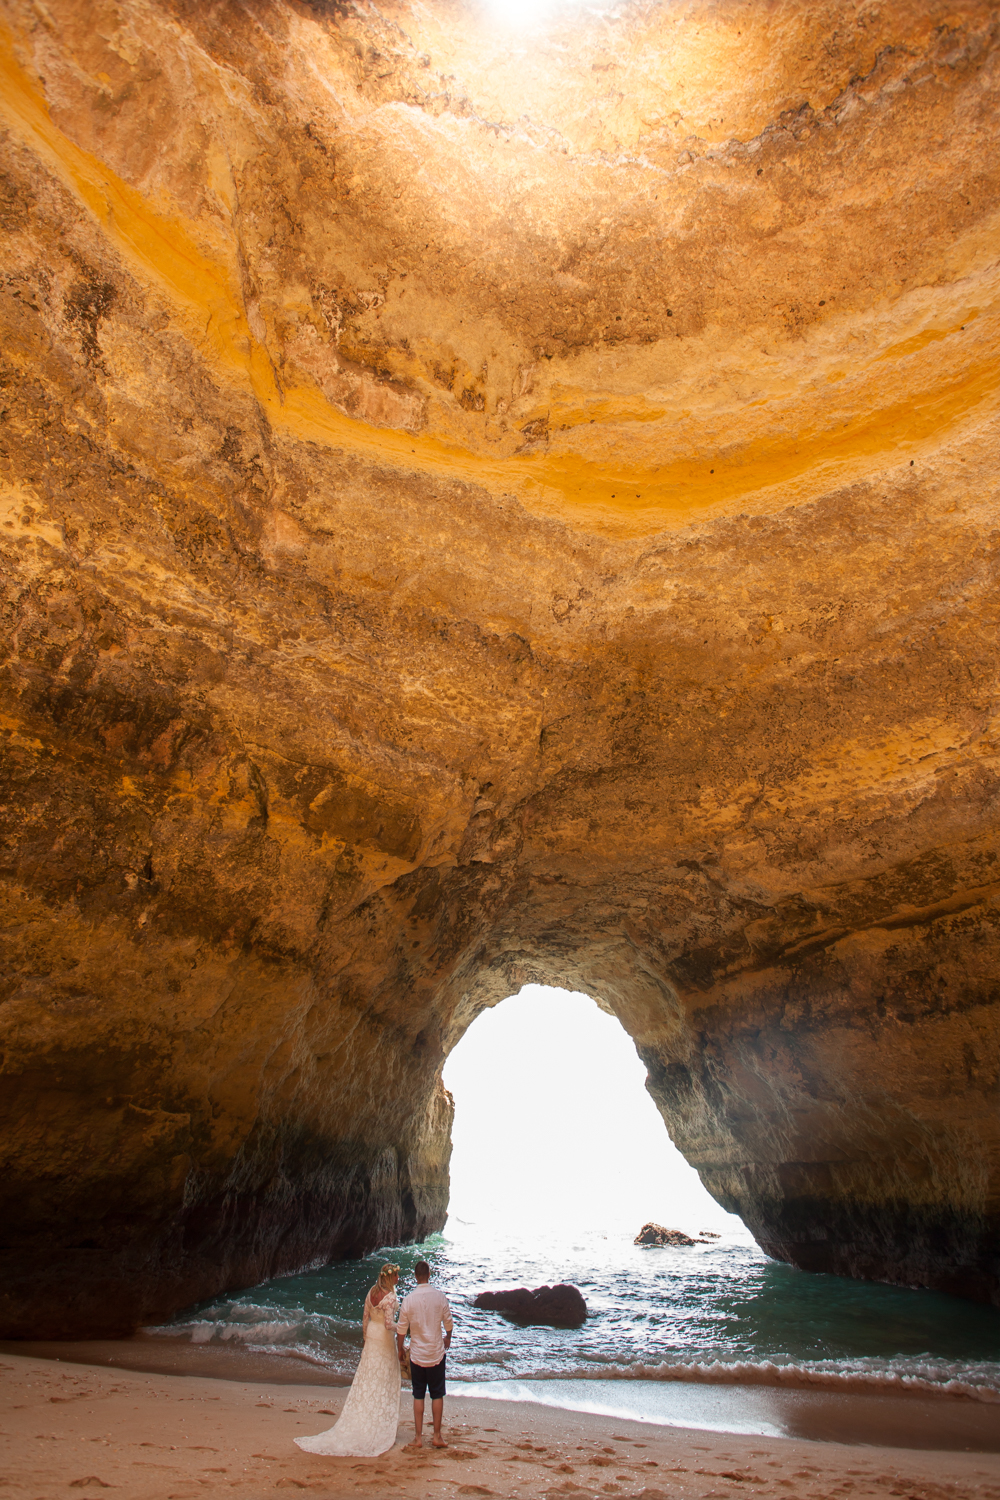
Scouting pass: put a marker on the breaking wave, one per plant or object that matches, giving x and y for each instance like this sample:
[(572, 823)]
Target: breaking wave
[(931, 1381)]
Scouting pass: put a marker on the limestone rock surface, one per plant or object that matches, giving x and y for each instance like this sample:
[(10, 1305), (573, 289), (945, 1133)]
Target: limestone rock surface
[(480, 507)]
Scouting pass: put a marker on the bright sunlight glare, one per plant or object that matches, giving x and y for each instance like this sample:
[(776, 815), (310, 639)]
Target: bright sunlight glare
[(518, 15), (554, 1127)]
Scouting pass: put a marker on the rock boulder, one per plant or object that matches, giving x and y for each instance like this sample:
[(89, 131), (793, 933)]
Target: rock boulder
[(560, 1306), (655, 1234)]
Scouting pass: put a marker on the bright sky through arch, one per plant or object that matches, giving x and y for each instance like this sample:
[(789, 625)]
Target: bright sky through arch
[(554, 1127)]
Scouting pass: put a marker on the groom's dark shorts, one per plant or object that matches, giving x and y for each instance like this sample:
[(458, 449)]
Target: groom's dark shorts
[(427, 1378)]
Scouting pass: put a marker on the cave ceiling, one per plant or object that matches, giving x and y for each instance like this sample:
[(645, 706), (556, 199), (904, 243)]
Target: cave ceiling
[(483, 504)]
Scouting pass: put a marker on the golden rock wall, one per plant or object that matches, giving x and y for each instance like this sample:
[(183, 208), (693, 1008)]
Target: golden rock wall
[(480, 507)]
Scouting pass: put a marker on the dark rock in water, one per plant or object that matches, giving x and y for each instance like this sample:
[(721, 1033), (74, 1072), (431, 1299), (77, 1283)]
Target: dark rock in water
[(560, 1306), (655, 1234)]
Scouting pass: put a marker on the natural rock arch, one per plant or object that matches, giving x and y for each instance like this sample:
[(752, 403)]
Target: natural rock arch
[(461, 525)]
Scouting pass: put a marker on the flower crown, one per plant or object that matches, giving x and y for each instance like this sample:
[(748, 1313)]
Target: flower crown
[(387, 1270)]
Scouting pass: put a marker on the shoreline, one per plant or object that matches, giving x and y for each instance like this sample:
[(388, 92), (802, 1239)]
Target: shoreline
[(171, 1436), (155, 1353), (155, 1356), (909, 1419)]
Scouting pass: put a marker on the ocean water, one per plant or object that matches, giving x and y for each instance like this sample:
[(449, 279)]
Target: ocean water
[(720, 1314)]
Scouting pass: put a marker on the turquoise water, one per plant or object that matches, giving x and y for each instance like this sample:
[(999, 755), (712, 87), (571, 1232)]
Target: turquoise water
[(719, 1313)]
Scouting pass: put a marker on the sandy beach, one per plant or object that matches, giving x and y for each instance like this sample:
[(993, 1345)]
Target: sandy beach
[(71, 1427)]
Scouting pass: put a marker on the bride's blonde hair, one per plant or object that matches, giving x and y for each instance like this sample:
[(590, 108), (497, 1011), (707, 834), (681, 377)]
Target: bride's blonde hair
[(386, 1274)]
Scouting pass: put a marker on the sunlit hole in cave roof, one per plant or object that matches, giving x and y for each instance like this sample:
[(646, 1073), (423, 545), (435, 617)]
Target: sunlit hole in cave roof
[(522, 15)]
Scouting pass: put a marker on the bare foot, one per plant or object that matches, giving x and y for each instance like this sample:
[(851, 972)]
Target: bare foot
[(438, 1441), (409, 1447)]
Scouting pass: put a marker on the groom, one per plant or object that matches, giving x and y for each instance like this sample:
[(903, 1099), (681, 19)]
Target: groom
[(424, 1313)]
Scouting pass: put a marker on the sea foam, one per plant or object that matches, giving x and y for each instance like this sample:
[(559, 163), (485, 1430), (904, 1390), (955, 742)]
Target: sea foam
[(817, 1376)]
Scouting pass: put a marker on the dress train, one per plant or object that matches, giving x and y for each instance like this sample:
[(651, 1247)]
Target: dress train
[(367, 1424)]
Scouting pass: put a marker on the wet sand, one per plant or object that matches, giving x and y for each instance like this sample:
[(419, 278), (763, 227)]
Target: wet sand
[(69, 1428)]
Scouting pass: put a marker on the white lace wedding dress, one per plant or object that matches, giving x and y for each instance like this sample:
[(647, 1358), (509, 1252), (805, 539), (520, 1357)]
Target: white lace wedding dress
[(367, 1423)]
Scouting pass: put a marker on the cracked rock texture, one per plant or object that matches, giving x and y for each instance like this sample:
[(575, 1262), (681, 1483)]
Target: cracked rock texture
[(478, 508)]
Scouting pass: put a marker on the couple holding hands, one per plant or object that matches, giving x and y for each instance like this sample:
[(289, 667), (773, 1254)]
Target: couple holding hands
[(367, 1424)]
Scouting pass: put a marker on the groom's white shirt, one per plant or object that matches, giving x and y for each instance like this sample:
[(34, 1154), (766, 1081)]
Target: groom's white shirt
[(423, 1311)]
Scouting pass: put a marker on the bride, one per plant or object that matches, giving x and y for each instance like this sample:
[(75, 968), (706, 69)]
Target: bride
[(368, 1420)]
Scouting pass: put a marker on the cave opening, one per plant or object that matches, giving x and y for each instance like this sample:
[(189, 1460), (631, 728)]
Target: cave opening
[(554, 1131)]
